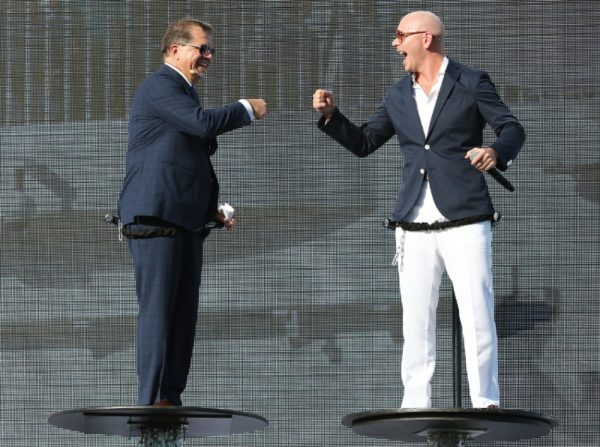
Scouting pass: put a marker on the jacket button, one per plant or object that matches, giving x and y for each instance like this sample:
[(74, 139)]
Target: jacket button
[(422, 171), (427, 147)]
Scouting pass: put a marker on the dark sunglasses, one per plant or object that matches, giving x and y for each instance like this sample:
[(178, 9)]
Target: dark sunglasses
[(204, 49)]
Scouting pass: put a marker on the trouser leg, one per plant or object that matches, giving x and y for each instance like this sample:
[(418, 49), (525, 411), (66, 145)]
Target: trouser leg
[(157, 265), (180, 342), (467, 255), (420, 269)]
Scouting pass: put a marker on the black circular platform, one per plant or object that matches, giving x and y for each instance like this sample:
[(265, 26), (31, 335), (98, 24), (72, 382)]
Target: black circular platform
[(126, 421), (416, 425)]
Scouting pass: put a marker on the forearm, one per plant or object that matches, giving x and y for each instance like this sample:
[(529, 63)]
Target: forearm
[(509, 141), (210, 123), (357, 140)]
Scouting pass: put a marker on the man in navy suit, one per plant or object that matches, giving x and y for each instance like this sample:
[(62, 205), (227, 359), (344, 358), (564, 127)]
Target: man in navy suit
[(169, 195), (443, 211)]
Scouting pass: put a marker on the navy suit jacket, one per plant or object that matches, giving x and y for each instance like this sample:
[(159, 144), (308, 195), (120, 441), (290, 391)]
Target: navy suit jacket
[(467, 101), (168, 172)]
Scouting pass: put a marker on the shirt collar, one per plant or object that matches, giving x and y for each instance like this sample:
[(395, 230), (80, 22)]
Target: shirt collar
[(440, 74), (182, 75)]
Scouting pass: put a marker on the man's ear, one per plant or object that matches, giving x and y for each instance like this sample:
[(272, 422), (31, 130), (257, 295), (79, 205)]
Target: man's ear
[(173, 49), (428, 40)]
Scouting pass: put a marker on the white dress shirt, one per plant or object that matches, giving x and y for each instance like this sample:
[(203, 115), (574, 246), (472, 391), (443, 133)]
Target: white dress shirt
[(425, 209), (425, 102)]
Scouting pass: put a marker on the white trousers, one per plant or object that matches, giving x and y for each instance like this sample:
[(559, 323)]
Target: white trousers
[(465, 253)]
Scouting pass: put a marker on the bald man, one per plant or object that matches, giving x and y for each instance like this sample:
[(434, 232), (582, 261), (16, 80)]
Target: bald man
[(443, 211)]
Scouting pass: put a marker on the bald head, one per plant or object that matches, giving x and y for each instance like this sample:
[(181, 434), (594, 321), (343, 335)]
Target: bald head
[(426, 21)]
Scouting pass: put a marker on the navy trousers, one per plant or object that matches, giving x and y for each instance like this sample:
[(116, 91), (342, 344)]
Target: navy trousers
[(167, 276)]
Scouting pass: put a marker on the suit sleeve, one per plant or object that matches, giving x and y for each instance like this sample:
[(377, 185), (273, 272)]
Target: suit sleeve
[(510, 135), (363, 140), (171, 103)]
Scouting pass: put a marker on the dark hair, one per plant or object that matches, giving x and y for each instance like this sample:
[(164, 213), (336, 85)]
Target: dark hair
[(179, 32)]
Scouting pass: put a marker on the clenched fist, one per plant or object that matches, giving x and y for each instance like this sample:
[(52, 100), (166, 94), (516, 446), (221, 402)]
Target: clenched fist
[(323, 102), (259, 108)]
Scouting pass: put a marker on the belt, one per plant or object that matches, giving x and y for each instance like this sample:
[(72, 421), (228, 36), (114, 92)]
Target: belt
[(150, 226), (144, 227), (422, 226)]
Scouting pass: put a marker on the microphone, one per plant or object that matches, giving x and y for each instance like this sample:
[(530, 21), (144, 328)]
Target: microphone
[(503, 181), (496, 175)]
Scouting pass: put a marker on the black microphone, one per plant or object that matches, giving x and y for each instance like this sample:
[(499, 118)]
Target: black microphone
[(496, 175)]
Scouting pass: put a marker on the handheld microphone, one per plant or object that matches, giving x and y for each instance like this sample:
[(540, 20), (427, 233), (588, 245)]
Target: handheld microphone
[(496, 175), (503, 181)]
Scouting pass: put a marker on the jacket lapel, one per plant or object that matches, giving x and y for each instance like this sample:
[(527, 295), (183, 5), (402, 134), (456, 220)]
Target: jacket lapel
[(450, 78), (413, 112), (191, 91)]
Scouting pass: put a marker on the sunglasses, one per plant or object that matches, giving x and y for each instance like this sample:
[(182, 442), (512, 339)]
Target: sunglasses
[(401, 36), (204, 49)]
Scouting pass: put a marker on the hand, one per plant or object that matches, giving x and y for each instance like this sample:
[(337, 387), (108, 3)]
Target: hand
[(323, 102), (482, 158), (227, 223), (259, 108)]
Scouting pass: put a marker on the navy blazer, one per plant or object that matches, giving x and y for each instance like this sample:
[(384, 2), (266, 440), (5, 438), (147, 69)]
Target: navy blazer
[(467, 101), (168, 172)]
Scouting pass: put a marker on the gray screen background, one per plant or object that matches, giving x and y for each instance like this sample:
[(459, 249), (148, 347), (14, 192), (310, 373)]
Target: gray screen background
[(300, 311)]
